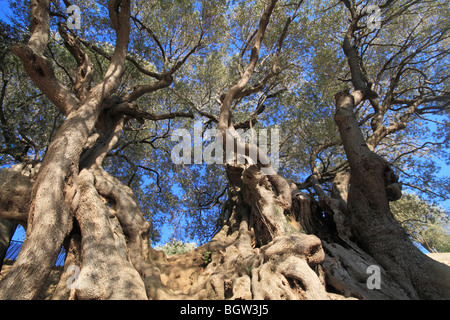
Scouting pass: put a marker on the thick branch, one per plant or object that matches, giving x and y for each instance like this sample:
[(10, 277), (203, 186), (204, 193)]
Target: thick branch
[(225, 115), (84, 71)]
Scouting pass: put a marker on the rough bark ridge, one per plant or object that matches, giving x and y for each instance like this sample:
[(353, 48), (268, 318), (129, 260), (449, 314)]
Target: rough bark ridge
[(373, 185), (258, 254), (15, 189), (235, 265)]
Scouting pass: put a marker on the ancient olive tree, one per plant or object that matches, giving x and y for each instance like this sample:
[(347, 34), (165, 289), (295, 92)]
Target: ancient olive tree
[(96, 176)]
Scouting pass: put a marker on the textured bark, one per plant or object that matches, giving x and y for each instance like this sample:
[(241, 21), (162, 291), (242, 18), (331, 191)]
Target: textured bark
[(371, 220), (54, 196), (277, 243), (346, 273), (258, 254), (281, 266), (69, 275), (15, 191)]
